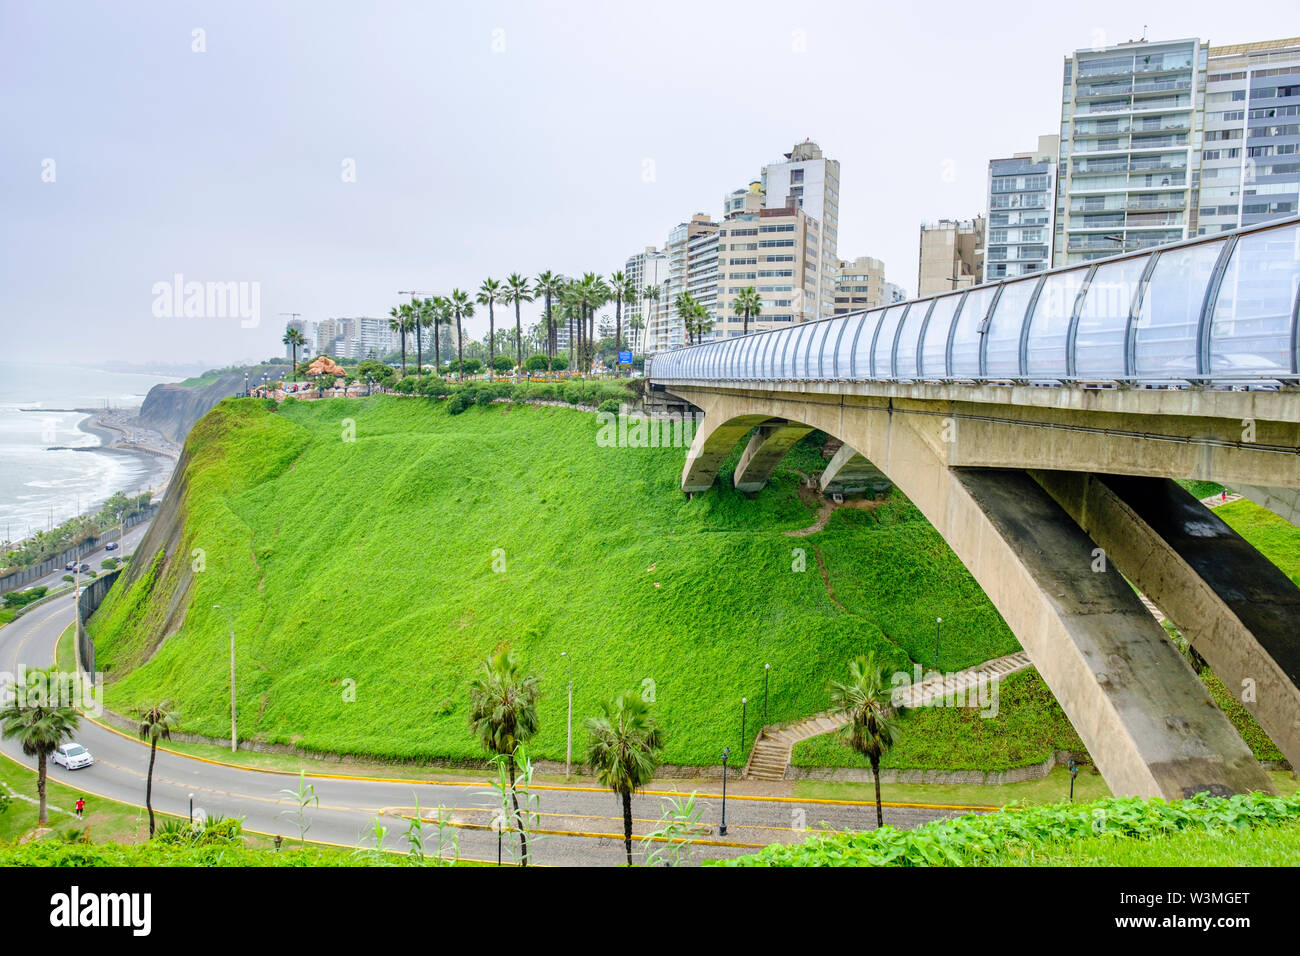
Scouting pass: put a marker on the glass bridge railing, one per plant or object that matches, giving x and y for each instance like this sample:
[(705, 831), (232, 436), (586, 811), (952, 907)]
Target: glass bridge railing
[(1216, 310)]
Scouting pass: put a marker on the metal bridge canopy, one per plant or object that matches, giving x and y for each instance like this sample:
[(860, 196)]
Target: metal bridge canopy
[(1217, 309)]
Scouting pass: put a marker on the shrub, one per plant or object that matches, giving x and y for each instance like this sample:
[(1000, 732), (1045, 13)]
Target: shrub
[(484, 397), (503, 363), (472, 366), (15, 599), (460, 401), (609, 405), (406, 386)]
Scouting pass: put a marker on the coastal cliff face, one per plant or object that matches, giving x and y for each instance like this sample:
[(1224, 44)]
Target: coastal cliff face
[(173, 409)]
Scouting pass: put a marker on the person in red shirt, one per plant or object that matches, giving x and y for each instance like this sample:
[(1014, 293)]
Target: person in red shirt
[(81, 805)]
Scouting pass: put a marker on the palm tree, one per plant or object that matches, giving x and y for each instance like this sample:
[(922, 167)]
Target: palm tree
[(418, 324), (748, 304), (685, 306), (651, 294), (549, 286), (490, 293), (461, 308), (439, 315), (517, 290), (503, 715), (40, 722), (623, 749), (572, 300), (624, 290), (865, 700), (155, 722), (294, 338), (397, 323)]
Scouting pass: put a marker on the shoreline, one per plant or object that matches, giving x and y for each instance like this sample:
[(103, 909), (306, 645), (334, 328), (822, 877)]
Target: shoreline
[(156, 453)]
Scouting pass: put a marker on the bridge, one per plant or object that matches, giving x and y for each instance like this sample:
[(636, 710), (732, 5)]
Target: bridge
[(1038, 424)]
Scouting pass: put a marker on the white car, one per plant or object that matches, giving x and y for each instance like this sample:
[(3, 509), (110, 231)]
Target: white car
[(72, 756)]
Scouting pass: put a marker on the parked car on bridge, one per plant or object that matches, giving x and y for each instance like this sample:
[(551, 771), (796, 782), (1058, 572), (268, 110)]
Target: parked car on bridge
[(70, 566), (111, 546), (73, 756)]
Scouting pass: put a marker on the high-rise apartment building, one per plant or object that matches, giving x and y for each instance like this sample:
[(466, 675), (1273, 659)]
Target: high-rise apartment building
[(952, 255), (769, 249), (1131, 130), (1250, 162), (1021, 200), (648, 268), (805, 179), (692, 254), (860, 284)]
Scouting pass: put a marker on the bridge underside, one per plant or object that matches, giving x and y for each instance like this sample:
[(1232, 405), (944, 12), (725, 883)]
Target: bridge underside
[(1029, 534)]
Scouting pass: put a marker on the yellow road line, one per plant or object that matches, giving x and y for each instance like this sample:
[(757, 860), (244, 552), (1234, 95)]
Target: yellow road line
[(168, 813), (540, 786)]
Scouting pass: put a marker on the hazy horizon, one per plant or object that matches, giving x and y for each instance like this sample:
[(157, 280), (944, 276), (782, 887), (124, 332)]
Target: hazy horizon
[(332, 156)]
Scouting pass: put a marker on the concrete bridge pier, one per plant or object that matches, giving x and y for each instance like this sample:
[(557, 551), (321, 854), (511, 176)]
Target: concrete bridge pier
[(1237, 608), (849, 471), (768, 446), (1142, 712)]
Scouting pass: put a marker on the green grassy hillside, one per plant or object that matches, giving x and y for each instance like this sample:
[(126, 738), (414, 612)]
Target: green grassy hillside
[(392, 564)]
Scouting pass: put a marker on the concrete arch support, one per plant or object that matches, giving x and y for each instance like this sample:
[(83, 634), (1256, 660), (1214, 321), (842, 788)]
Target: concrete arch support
[(1142, 712), (850, 471), (1238, 610), (765, 449)]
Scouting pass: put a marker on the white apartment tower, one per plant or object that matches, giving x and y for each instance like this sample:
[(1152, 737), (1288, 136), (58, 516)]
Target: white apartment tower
[(807, 180)]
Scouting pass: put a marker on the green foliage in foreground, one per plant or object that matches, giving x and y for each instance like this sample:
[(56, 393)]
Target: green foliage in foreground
[(1029, 727), (169, 853), (1015, 836), (375, 561)]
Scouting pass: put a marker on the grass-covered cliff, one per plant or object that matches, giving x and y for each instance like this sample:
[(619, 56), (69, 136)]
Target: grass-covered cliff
[(369, 577)]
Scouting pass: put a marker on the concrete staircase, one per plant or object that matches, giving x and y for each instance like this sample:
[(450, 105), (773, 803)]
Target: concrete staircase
[(770, 755)]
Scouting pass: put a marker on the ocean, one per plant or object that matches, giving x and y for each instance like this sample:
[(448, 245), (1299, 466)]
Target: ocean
[(40, 487)]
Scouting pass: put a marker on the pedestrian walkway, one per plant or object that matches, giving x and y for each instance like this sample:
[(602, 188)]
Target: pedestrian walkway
[(771, 754)]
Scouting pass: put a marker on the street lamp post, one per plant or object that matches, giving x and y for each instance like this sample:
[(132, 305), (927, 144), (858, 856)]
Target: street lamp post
[(722, 828), (568, 744), (191, 811), (938, 622), (1074, 772), (234, 739), (744, 701)]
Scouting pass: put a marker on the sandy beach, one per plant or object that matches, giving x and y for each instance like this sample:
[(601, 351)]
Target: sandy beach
[(118, 435)]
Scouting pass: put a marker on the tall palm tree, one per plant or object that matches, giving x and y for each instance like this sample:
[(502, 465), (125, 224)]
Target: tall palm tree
[(439, 315), (489, 293), (461, 308), (294, 338), (37, 718), (503, 715), (549, 286), (397, 322), (701, 322), (415, 317), (748, 304), (623, 749), (685, 306), (865, 700), (572, 306), (517, 290), (156, 722), (651, 294), (624, 290)]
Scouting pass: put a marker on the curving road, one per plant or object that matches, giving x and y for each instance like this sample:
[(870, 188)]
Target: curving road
[(348, 807)]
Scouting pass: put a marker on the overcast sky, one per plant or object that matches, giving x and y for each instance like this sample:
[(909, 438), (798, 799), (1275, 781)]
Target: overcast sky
[(337, 153)]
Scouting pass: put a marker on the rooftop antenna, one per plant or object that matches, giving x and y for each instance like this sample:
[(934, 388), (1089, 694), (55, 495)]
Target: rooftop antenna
[(1144, 33)]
